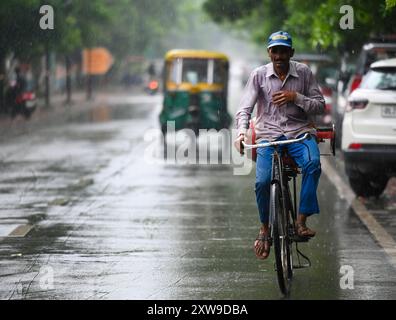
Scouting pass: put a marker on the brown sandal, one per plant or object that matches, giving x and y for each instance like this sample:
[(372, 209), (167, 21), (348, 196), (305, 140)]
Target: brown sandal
[(304, 231), (266, 245)]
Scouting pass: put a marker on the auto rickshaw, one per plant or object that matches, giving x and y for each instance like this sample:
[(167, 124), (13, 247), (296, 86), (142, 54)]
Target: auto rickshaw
[(195, 90)]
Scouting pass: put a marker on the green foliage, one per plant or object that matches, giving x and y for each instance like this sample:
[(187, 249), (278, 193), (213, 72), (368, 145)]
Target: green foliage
[(16, 28), (138, 26), (231, 10), (76, 22), (141, 26), (313, 24), (124, 26), (390, 4)]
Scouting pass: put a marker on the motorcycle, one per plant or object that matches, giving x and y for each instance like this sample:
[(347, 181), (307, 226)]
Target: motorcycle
[(23, 103), (152, 87)]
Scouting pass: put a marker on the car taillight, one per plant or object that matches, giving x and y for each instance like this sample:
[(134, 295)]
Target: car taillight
[(356, 104), (356, 82), (355, 146)]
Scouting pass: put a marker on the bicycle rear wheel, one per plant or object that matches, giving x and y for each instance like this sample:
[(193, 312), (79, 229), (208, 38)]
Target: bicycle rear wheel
[(281, 240)]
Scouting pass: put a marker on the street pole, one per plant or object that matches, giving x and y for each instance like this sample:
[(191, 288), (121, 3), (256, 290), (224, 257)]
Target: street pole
[(47, 76), (68, 80), (89, 87), (2, 80), (68, 9), (89, 76)]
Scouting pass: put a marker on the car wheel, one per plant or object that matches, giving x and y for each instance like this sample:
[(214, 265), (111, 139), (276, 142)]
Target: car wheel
[(338, 136), (367, 185), (338, 141)]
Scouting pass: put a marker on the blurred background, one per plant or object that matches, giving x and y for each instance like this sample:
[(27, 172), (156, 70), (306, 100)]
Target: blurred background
[(88, 198), (136, 35)]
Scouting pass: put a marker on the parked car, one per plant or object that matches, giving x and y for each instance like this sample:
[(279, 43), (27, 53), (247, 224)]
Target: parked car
[(351, 77), (325, 72), (369, 130)]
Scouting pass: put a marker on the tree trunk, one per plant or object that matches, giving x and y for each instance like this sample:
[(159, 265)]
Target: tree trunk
[(47, 77), (89, 87), (89, 76), (68, 80), (2, 81)]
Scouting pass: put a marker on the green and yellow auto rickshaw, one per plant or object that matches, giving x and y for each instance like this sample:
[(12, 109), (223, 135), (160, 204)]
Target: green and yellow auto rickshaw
[(195, 90)]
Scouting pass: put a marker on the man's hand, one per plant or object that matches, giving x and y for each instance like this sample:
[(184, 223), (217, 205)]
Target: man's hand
[(238, 142), (281, 97)]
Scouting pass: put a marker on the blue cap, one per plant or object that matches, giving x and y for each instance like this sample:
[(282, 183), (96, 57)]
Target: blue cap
[(280, 38)]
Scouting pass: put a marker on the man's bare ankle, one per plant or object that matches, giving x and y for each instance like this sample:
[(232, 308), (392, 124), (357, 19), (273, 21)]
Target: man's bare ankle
[(264, 229), (301, 219)]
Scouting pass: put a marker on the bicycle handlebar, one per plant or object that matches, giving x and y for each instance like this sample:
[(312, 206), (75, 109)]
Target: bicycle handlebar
[(274, 143)]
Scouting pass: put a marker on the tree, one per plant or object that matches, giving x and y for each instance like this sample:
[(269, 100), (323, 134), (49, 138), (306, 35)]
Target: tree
[(16, 25), (314, 24), (126, 27), (390, 4), (138, 26), (322, 27), (76, 25)]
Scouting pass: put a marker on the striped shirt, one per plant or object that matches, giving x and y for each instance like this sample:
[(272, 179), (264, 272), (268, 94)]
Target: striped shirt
[(291, 119)]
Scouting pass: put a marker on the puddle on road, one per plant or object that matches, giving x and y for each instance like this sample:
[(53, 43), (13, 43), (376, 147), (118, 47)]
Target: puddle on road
[(67, 167), (36, 218), (106, 113), (40, 240), (25, 179), (92, 136)]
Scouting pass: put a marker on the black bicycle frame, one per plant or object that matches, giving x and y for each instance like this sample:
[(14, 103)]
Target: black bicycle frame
[(278, 180), (285, 189)]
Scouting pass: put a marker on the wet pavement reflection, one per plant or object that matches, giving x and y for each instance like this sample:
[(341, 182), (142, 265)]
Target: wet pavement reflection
[(109, 224)]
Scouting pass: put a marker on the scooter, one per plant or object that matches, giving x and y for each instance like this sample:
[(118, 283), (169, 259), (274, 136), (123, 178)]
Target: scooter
[(23, 103), (152, 87)]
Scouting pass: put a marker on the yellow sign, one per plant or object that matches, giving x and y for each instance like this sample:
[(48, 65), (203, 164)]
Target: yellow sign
[(97, 61)]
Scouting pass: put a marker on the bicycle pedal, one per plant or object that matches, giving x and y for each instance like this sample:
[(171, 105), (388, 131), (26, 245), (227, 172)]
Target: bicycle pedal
[(301, 266)]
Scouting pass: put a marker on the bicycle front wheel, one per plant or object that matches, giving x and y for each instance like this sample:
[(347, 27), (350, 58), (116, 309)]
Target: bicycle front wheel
[(281, 240)]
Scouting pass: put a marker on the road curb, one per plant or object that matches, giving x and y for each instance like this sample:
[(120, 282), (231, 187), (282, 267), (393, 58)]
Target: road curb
[(383, 238)]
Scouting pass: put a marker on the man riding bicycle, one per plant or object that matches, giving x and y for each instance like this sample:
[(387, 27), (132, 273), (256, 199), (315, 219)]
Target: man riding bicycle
[(286, 94)]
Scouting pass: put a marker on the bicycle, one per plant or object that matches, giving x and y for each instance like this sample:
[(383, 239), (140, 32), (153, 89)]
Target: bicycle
[(283, 206)]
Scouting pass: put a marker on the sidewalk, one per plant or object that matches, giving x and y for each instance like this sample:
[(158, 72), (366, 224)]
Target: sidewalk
[(58, 111)]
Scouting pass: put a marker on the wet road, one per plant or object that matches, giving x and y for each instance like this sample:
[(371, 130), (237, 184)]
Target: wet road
[(113, 221)]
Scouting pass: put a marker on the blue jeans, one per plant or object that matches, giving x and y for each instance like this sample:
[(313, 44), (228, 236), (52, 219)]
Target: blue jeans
[(308, 159)]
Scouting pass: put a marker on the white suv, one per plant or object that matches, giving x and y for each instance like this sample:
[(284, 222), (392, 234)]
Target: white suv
[(369, 130)]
